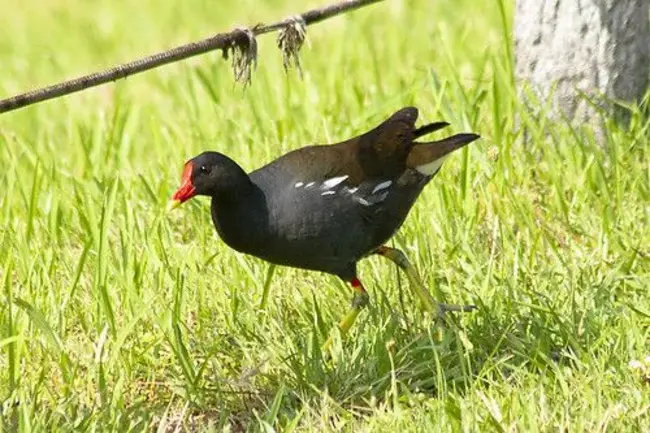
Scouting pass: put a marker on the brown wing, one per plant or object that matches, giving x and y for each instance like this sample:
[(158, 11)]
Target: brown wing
[(381, 152), (378, 153)]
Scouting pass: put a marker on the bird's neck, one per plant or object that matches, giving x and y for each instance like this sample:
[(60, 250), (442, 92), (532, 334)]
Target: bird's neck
[(240, 218)]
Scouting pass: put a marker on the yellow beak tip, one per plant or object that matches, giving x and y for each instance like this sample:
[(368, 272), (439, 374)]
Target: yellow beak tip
[(173, 204)]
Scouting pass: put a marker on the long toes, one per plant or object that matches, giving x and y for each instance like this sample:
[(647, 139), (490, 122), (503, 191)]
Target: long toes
[(444, 308)]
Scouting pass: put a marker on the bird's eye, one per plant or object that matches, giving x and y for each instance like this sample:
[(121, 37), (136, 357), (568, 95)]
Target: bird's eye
[(204, 169)]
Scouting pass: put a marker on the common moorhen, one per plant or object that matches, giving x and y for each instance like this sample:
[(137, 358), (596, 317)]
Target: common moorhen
[(325, 207)]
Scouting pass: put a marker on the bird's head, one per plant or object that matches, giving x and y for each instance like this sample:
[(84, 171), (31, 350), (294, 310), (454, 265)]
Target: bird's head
[(212, 174)]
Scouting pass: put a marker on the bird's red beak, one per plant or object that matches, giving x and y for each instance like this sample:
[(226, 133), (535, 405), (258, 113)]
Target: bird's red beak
[(186, 190)]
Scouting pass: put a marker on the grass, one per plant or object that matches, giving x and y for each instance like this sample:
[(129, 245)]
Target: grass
[(117, 317)]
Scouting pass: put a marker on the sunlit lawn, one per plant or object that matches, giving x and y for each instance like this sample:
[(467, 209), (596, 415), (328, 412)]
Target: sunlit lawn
[(117, 316)]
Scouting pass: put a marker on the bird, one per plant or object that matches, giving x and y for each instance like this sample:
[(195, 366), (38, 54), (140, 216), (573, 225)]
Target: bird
[(325, 207)]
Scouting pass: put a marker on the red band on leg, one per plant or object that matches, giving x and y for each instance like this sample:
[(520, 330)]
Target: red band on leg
[(356, 284)]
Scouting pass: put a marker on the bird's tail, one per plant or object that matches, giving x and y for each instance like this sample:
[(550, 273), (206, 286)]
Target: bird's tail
[(428, 157), (428, 129)]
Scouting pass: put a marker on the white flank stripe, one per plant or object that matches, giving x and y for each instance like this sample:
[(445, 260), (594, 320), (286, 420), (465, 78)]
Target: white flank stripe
[(331, 183), (352, 190), (299, 184), (432, 167), (329, 193), (310, 184), (364, 202), (382, 186)]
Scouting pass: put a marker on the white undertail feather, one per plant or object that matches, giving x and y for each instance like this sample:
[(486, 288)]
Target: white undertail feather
[(432, 167)]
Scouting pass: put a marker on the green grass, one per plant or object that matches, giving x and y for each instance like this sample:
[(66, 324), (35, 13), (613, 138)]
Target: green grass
[(115, 316)]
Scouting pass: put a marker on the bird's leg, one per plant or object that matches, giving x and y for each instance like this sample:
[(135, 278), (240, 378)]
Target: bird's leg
[(359, 301), (431, 305)]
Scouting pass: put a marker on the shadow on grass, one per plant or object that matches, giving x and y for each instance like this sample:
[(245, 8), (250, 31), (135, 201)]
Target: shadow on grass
[(390, 360), (255, 374)]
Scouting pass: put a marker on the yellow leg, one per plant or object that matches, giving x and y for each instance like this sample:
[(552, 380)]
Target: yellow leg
[(429, 304), (359, 301)]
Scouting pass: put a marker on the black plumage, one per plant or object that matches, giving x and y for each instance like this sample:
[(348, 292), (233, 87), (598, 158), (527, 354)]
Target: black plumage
[(322, 207)]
